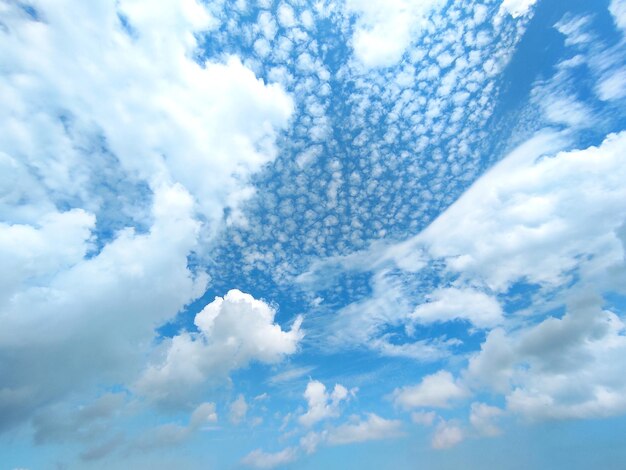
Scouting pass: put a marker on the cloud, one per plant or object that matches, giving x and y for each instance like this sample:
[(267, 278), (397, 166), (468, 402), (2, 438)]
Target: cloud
[(233, 331), (57, 424), (424, 418), (149, 439), (238, 410), (126, 149), (321, 404), (372, 429), (436, 390), (260, 459), (385, 29), (514, 222), (618, 11), (449, 304), (613, 85), (517, 8), (290, 374), (560, 368), (137, 280), (202, 415), (482, 418), (447, 435)]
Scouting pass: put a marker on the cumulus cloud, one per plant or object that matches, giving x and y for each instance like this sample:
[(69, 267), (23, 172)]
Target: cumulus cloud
[(143, 99), (116, 136), (233, 331), (482, 417), (436, 390), (560, 368), (321, 404), (449, 304), (385, 29), (447, 434), (371, 429), (514, 222), (137, 280)]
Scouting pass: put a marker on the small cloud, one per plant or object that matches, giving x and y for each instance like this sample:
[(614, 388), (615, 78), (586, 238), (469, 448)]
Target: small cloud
[(447, 435), (259, 459), (435, 390), (290, 374)]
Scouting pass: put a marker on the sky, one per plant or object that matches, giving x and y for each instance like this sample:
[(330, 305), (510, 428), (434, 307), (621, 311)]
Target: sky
[(312, 234)]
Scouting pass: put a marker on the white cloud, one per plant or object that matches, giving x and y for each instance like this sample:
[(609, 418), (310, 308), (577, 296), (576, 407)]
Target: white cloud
[(372, 429), (449, 304), (162, 115), (321, 404), (385, 29), (136, 280), (566, 110), (447, 435), (234, 330), (238, 410), (516, 8), (436, 390), (516, 221), (482, 418), (290, 374), (618, 10), (202, 415), (561, 368), (117, 121), (260, 459), (424, 418), (612, 86)]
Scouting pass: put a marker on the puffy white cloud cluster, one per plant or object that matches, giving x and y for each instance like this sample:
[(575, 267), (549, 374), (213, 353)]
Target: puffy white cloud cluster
[(434, 391), (233, 331), (447, 304), (517, 8), (321, 404), (119, 148), (566, 367), (384, 30)]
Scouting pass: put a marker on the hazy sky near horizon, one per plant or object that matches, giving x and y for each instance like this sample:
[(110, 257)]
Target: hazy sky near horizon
[(312, 234)]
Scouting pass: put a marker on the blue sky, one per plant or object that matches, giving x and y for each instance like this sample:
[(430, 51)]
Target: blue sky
[(292, 234)]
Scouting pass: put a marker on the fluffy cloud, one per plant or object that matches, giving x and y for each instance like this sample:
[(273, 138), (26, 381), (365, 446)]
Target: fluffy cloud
[(517, 8), (107, 304), (449, 304), (561, 368), (321, 404), (233, 331), (142, 99), (436, 390), (482, 417), (117, 138), (371, 429), (517, 221), (385, 29), (447, 434)]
